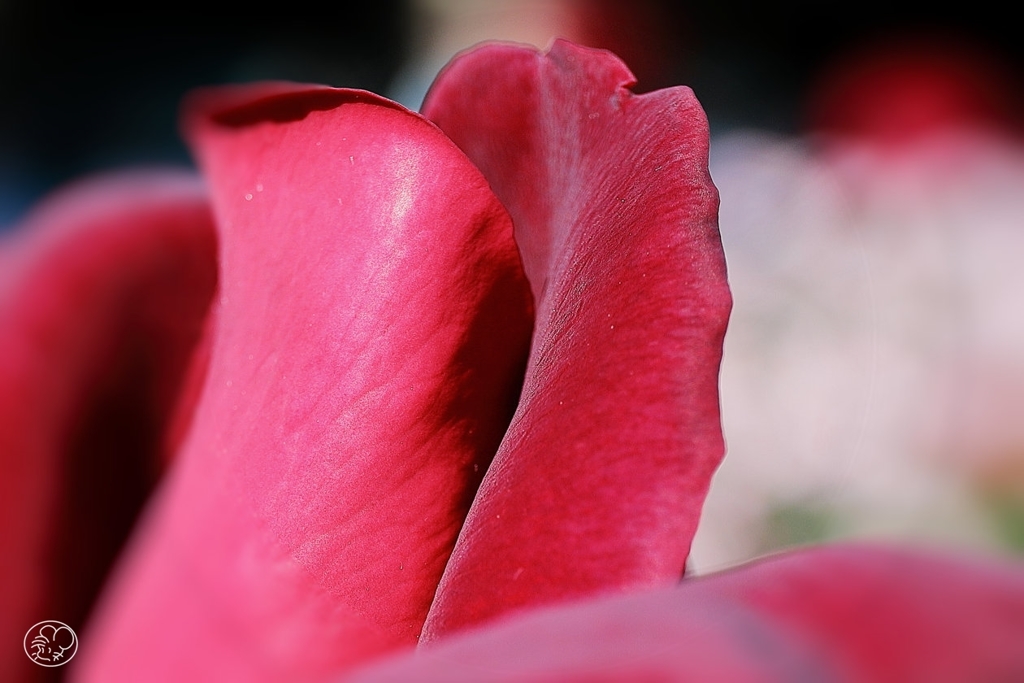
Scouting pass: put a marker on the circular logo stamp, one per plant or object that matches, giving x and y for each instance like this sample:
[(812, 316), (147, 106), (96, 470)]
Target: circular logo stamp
[(51, 643)]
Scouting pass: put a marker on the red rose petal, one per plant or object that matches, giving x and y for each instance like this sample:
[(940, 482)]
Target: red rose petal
[(103, 294), (599, 482), (893, 614), (849, 613), (656, 636), (370, 337)]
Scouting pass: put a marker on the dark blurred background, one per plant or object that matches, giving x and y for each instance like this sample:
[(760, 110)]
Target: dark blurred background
[(89, 85)]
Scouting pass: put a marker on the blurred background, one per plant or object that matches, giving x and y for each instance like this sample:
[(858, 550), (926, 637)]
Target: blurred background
[(871, 171)]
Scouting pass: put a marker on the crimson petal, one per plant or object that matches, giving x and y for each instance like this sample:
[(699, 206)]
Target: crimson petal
[(104, 289), (370, 337), (852, 613), (599, 483), (893, 614)]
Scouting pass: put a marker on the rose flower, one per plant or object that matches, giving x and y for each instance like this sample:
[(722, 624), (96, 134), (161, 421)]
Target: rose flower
[(422, 398)]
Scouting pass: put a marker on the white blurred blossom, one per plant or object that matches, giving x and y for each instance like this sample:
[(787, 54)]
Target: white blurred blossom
[(873, 376)]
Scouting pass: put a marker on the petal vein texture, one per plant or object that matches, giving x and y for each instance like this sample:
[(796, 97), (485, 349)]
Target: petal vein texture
[(369, 338), (599, 483)]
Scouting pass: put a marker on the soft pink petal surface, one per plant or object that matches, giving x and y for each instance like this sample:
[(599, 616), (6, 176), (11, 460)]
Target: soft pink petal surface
[(103, 292), (855, 614), (891, 614), (367, 348), (599, 482)]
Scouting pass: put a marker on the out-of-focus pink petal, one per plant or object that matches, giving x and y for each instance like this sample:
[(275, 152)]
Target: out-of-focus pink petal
[(847, 613), (893, 614), (103, 291), (599, 482), (371, 331)]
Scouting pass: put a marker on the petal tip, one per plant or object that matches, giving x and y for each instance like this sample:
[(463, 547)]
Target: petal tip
[(240, 106), (598, 62)]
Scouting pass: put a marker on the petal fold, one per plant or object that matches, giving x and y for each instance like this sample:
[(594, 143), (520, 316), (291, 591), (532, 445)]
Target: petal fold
[(370, 335), (599, 483)]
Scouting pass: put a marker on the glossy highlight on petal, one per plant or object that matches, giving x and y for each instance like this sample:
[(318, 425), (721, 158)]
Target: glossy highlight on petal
[(856, 613), (599, 483), (103, 293), (367, 350)]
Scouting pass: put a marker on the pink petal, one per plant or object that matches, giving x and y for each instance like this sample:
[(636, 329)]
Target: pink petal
[(103, 292), (893, 614), (849, 613), (599, 482), (370, 338)]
